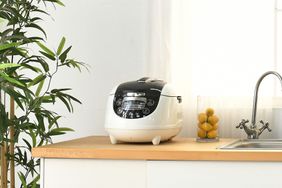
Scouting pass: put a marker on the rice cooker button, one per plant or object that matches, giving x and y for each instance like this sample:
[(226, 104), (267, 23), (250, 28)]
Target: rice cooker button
[(146, 111), (118, 103), (137, 115), (150, 102), (119, 110), (130, 115), (124, 115)]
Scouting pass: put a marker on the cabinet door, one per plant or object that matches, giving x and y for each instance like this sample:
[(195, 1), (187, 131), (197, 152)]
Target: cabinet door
[(186, 174), (80, 173)]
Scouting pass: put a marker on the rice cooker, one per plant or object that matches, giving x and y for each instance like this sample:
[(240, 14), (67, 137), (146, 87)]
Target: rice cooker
[(145, 110)]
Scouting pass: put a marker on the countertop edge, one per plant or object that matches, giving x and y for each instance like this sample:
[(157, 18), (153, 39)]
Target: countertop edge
[(214, 155)]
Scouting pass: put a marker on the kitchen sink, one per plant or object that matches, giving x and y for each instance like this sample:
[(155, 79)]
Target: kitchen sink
[(254, 144)]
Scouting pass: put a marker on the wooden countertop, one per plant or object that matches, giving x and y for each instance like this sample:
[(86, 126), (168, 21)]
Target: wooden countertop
[(99, 147)]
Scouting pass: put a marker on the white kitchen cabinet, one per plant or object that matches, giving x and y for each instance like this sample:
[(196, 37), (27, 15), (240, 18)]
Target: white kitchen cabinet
[(91, 173), (214, 174), (97, 173)]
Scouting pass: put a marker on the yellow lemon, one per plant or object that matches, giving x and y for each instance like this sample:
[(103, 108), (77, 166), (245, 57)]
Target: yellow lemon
[(215, 126), (206, 126), (212, 134), (199, 125), (202, 133), (202, 117), (209, 111), (213, 119)]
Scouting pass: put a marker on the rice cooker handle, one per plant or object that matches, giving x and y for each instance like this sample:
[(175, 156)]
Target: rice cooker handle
[(179, 98), (144, 79)]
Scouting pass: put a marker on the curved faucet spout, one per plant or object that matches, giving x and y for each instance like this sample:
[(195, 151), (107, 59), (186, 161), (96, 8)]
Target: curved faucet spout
[(256, 94)]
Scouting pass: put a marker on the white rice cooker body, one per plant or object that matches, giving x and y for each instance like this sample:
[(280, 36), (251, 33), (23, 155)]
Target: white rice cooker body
[(163, 122)]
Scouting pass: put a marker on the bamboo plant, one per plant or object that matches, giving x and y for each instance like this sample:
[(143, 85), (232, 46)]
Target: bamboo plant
[(27, 70)]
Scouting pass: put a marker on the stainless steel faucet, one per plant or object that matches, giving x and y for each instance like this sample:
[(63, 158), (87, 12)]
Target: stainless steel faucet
[(253, 131)]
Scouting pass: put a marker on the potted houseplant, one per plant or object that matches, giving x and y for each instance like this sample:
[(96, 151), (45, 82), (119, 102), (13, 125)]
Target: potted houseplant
[(26, 78)]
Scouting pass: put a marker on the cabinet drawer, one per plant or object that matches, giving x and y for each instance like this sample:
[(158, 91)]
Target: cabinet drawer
[(74, 173)]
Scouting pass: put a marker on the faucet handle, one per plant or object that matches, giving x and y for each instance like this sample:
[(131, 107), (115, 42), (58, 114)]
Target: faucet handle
[(242, 124), (245, 121), (265, 126)]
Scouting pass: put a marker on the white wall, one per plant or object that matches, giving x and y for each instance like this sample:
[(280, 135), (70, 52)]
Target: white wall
[(110, 36), (113, 37), (226, 46)]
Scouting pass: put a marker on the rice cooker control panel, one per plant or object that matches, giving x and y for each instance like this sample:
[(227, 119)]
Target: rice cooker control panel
[(137, 99)]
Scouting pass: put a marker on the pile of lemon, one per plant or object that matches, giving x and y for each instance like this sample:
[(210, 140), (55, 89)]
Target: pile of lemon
[(208, 124)]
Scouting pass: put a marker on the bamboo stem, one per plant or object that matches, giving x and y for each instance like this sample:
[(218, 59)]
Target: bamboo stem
[(4, 169), (12, 144), (2, 152), (4, 180)]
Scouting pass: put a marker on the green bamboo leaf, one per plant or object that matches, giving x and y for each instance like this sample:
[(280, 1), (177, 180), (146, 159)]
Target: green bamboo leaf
[(60, 2), (41, 11), (35, 104), (41, 142), (8, 65), (35, 39), (48, 56), (63, 56), (40, 120), (9, 45), (33, 137), (45, 49), (19, 152), (33, 25), (14, 12), (24, 158), (18, 51), (33, 68), (3, 118), (56, 1), (11, 80), (74, 64), (22, 178), (51, 133), (36, 80), (27, 144), (43, 63), (59, 131), (60, 90), (35, 19), (74, 99), (6, 32), (65, 102), (62, 129), (61, 46), (4, 15), (34, 181), (39, 88), (47, 99), (16, 37), (54, 121), (17, 96)]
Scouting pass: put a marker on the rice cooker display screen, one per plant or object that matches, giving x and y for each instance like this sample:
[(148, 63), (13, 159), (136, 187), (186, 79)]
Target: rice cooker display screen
[(134, 107), (136, 104)]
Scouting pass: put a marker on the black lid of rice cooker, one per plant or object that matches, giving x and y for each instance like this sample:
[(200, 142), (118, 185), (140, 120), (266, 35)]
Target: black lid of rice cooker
[(137, 99), (143, 85)]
